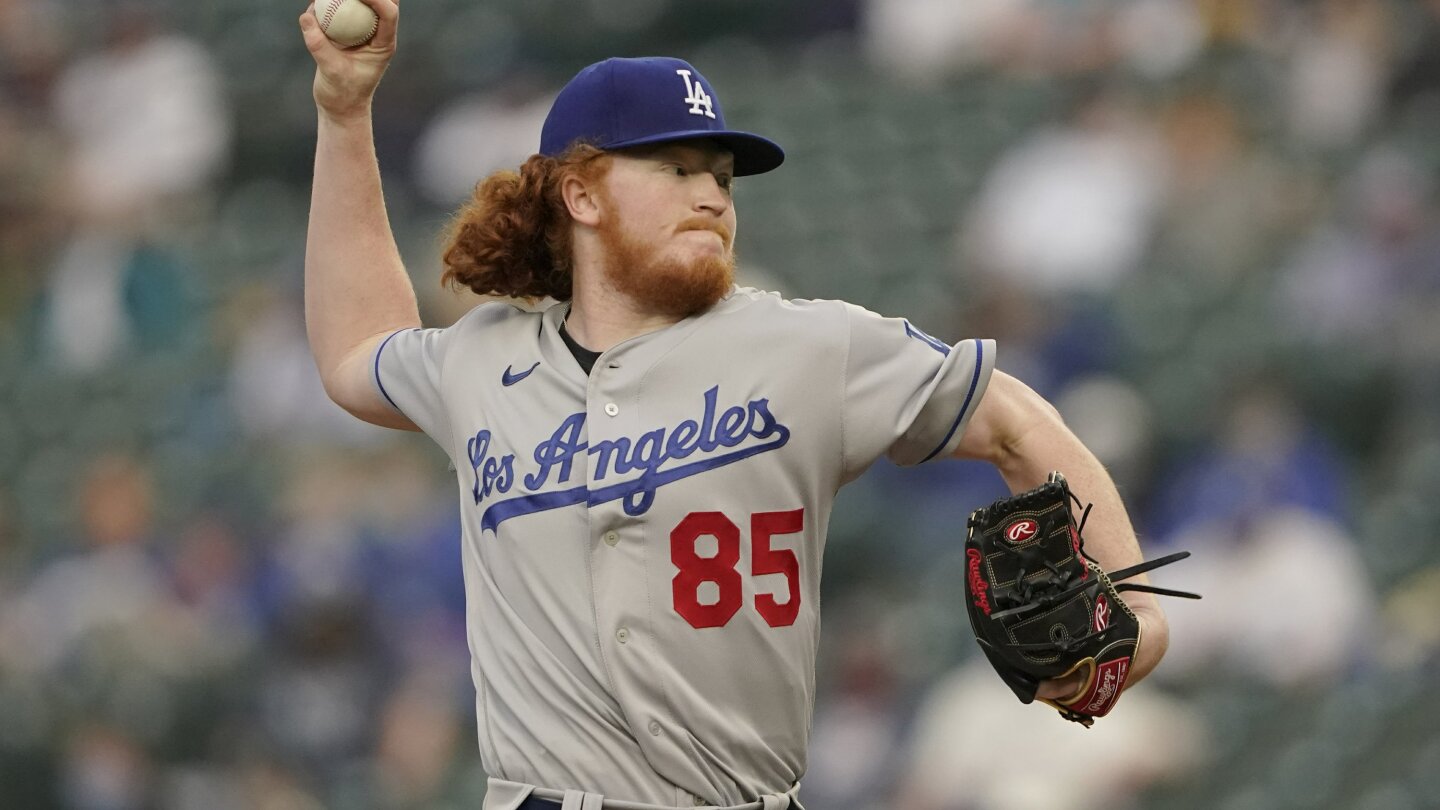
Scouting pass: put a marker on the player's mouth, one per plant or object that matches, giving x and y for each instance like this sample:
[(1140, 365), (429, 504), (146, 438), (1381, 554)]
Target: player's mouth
[(705, 226)]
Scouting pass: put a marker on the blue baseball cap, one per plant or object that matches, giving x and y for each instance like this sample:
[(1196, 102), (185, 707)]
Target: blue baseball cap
[(655, 99)]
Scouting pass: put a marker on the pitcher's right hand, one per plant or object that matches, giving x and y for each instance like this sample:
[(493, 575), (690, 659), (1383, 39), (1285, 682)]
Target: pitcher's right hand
[(346, 78)]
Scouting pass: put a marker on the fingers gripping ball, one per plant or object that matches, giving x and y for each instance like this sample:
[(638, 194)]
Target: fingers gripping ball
[(347, 23), (1042, 608)]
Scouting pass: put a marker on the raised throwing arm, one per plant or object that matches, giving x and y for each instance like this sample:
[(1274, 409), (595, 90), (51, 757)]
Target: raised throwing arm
[(356, 289)]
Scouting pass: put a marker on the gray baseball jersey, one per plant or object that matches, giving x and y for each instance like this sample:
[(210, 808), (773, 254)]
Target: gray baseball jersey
[(642, 545)]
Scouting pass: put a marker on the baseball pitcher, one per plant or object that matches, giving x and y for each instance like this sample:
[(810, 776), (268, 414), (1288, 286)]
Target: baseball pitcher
[(646, 466)]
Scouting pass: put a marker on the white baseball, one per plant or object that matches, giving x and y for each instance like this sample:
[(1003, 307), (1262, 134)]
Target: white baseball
[(346, 22)]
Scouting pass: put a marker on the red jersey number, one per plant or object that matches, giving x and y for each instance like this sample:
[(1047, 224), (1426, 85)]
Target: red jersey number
[(721, 567)]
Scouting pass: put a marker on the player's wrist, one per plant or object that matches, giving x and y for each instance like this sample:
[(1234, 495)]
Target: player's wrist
[(345, 115), (345, 98), (1154, 640)]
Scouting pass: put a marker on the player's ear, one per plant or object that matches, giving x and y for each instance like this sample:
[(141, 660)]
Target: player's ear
[(581, 199)]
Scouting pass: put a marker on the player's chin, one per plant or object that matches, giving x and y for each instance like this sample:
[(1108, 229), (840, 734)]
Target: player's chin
[(696, 285), (703, 250)]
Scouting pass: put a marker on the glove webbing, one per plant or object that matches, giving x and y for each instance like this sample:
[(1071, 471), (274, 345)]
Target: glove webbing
[(1065, 644), (1124, 573)]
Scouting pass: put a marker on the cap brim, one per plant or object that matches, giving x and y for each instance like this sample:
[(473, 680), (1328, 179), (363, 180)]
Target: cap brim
[(753, 154)]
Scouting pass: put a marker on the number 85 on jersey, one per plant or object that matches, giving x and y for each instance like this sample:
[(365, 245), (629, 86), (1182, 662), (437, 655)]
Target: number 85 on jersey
[(722, 568)]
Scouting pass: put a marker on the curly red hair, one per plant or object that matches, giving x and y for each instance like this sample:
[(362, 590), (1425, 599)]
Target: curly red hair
[(513, 237)]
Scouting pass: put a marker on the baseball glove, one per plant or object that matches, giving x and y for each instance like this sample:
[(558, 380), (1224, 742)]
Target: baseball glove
[(1042, 608)]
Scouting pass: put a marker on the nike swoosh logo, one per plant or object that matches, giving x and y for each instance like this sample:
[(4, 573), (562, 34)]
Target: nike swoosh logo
[(510, 378)]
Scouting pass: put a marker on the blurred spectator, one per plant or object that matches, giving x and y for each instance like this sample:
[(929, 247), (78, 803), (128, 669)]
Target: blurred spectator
[(925, 39), (147, 129), (110, 584), (1070, 208), (106, 295), (1117, 424), (1350, 274), (855, 738), (322, 677), (319, 687), (1337, 70), (212, 575), (1270, 494), (274, 391), (1229, 199), (928, 40), (1266, 457), (318, 554), (975, 747), (420, 734), (474, 136), (100, 632), (105, 770), (1287, 602), (413, 576), (1159, 39), (145, 117)]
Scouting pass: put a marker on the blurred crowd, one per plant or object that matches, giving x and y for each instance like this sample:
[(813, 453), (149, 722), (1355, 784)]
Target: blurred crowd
[(1208, 230)]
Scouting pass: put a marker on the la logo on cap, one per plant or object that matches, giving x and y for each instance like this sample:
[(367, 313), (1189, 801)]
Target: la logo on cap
[(624, 102), (696, 97)]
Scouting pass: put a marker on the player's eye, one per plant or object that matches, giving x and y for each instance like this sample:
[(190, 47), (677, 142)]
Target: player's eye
[(726, 182), (677, 170)]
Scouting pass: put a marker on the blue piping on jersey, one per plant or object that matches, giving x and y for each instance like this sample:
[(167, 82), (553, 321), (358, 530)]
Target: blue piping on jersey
[(383, 392), (974, 383)]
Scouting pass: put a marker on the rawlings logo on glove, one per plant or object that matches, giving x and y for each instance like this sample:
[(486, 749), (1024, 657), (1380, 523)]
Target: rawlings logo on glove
[(1042, 609)]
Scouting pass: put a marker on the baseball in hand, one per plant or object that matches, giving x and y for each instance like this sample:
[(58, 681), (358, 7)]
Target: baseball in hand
[(346, 22)]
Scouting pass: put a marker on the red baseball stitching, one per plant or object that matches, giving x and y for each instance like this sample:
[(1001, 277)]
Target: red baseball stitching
[(332, 6)]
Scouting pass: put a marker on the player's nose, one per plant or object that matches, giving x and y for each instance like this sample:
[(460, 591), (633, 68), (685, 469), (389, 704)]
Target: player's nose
[(710, 196)]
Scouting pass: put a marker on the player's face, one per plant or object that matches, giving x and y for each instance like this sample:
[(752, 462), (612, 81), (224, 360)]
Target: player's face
[(668, 226)]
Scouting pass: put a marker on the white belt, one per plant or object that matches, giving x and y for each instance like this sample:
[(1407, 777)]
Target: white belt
[(501, 794)]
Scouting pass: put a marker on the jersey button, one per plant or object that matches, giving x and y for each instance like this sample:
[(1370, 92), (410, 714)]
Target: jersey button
[(654, 728), (611, 538), (622, 635), (611, 408)]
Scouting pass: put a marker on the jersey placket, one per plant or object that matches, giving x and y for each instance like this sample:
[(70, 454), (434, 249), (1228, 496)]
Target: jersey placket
[(618, 545)]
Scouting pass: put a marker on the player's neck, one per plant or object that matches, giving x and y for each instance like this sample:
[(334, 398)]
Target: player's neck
[(601, 317)]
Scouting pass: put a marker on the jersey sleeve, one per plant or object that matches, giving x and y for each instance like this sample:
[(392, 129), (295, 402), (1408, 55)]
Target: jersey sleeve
[(406, 370), (908, 396)]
